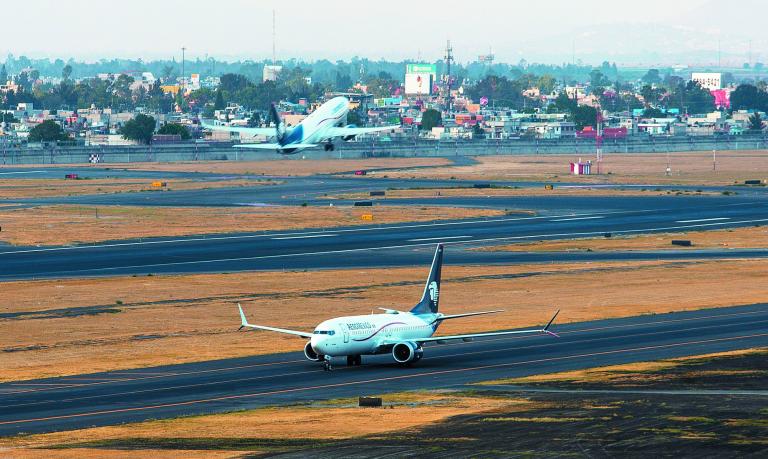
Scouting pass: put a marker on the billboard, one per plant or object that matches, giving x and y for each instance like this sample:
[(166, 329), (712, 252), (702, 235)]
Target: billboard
[(418, 83), (422, 68)]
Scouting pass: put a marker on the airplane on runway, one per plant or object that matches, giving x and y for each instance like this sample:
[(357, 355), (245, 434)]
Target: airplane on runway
[(397, 332), (320, 127)]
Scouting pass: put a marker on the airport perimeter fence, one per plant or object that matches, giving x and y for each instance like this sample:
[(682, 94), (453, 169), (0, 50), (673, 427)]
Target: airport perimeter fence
[(375, 149)]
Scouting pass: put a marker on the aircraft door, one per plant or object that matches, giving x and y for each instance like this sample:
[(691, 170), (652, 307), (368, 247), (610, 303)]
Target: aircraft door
[(345, 330)]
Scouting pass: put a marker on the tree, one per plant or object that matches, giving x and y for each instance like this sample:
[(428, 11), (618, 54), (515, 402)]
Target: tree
[(693, 98), (175, 129), (756, 123), (66, 72), (7, 118), (584, 116), (749, 97), (3, 75), (219, 103), (47, 131), (354, 117), (598, 81), (652, 77), (430, 118), (232, 82), (653, 113), (565, 104), (140, 129)]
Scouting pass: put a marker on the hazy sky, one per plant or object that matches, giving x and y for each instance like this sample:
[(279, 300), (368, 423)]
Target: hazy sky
[(541, 31)]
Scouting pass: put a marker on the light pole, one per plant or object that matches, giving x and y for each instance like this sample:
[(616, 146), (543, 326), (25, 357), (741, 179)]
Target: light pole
[(183, 78)]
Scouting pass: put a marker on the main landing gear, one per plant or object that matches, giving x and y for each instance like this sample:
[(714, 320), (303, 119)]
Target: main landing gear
[(329, 147), (354, 360)]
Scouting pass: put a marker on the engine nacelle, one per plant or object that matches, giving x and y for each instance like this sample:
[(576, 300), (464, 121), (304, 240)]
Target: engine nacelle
[(347, 138), (407, 352), (310, 353)]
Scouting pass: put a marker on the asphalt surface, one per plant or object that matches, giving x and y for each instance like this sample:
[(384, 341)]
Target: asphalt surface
[(404, 244), (234, 384)]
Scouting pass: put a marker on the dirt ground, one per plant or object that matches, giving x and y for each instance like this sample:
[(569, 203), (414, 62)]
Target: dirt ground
[(689, 168), (486, 422), (284, 426), (70, 224), (90, 325), (45, 188), (627, 375), (291, 167), (737, 238)]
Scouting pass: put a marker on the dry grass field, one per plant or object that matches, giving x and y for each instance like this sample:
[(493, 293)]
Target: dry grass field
[(44, 188), (620, 374), (737, 238), (288, 167), (689, 168), (402, 411), (89, 325), (69, 224)]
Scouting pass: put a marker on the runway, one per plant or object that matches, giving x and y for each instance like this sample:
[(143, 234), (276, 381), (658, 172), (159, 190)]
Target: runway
[(403, 244), (234, 384)]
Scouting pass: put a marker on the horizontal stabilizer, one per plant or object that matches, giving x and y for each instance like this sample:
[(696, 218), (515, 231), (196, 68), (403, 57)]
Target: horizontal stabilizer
[(469, 314)]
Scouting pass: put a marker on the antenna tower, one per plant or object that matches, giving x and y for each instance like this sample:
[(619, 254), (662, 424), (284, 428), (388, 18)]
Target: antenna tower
[(448, 61)]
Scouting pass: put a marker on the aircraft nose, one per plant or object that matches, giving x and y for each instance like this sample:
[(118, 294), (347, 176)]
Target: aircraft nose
[(318, 344)]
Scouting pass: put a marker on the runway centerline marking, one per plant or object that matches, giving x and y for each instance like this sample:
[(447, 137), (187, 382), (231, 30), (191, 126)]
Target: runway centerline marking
[(23, 172), (439, 238), (703, 220), (384, 379), (577, 219), (308, 236)]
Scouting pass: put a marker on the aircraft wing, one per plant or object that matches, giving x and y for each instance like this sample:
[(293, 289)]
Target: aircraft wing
[(269, 132), (244, 324), (345, 131), (276, 146), (469, 337)]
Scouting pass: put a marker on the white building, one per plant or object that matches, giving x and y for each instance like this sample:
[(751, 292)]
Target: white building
[(708, 80), (271, 72)]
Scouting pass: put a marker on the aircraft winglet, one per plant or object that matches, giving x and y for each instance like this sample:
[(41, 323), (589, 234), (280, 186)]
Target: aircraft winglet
[(549, 324), (243, 320)]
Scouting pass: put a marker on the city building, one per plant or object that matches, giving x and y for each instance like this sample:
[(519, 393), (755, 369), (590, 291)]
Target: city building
[(271, 72), (709, 81)]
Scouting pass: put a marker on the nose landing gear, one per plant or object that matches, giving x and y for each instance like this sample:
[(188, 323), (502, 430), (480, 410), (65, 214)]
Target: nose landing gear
[(327, 363)]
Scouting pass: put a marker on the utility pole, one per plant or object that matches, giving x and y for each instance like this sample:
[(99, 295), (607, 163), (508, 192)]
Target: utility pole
[(448, 61), (274, 39), (183, 78), (599, 138)]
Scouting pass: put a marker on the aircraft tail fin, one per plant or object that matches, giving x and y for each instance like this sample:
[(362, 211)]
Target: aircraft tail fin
[(431, 297), (280, 131)]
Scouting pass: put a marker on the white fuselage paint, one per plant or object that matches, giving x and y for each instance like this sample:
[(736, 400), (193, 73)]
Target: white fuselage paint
[(363, 335), (314, 128)]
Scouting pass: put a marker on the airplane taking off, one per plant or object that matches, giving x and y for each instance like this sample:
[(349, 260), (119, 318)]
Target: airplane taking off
[(320, 127), (401, 333)]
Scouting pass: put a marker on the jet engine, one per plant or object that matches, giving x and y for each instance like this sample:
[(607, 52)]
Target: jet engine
[(347, 138), (310, 353), (407, 352)]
